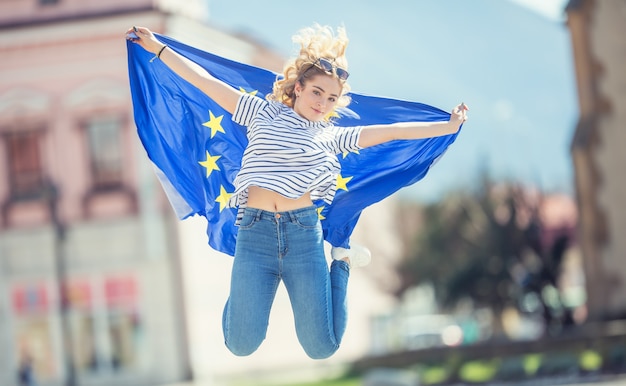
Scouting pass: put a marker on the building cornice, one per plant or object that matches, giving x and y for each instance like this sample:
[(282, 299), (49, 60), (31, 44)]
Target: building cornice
[(96, 14)]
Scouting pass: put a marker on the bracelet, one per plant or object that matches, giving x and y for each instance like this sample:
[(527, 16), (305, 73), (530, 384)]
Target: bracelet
[(158, 55)]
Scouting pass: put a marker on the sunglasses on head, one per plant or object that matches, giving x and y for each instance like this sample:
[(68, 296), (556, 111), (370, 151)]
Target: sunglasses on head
[(329, 67)]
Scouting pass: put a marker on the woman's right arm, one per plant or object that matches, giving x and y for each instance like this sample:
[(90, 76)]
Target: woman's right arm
[(220, 92)]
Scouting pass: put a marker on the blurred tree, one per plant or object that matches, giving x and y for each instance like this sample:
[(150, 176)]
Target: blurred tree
[(487, 246)]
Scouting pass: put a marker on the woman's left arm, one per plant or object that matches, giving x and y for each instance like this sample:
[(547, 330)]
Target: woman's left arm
[(377, 134)]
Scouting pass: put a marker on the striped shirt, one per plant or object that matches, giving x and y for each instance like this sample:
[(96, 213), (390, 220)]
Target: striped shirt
[(288, 154)]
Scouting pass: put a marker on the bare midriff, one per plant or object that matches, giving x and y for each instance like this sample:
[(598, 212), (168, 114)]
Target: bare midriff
[(261, 198)]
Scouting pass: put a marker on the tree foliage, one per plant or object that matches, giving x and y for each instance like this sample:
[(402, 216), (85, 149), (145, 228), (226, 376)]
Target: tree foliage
[(486, 246)]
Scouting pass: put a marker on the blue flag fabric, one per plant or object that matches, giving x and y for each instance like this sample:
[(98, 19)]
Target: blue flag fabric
[(196, 148)]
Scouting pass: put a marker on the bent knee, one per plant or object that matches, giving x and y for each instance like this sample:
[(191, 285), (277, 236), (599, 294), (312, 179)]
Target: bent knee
[(243, 348), (321, 352)]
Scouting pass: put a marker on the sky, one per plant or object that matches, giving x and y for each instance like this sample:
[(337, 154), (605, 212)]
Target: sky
[(510, 61), (551, 9)]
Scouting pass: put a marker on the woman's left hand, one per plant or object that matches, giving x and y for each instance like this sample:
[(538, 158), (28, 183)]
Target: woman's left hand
[(459, 114)]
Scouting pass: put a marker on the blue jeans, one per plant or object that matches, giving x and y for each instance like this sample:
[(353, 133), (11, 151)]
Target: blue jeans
[(285, 246)]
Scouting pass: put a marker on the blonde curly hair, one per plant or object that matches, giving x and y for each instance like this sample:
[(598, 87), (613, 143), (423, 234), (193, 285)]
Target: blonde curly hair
[(315, 42)]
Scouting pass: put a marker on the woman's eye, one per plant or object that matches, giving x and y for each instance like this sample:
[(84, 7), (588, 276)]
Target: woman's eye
[(332, 100), (316, 92)]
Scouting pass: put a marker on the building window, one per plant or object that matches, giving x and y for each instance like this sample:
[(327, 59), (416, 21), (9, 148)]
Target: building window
[(33, 332), (25, 172), (104, 141), (124, 321), (106, 324)]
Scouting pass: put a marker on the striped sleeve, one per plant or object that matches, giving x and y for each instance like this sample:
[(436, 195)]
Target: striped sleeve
[(248, 106), (347, 139)]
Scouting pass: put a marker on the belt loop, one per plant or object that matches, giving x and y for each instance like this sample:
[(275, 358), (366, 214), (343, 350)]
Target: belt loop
[(257, 215)]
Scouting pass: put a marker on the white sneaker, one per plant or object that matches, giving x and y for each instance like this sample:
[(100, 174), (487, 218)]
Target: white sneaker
[(359, 255)]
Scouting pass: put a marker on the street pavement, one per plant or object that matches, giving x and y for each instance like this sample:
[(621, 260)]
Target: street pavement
[(619, 380)]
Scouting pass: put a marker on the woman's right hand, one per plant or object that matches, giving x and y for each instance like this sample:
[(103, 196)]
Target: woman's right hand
[(145, 38)]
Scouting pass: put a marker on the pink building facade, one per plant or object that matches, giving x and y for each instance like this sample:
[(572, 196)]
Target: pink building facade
[(90, 277)]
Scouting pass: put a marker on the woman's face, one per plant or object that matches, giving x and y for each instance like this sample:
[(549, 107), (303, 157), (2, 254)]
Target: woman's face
[(317, 97)]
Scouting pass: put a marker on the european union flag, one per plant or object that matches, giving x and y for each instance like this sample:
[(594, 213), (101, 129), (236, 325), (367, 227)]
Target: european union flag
[(196, 148)]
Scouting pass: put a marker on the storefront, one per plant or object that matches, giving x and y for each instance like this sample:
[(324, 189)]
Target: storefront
[(120, 315)]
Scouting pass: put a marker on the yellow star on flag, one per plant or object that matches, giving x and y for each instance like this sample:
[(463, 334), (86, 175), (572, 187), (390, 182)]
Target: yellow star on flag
[(215, 124), (223, 198), (319, 213), (342, 183), (253, 92), (345, 153), (210, 163)]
